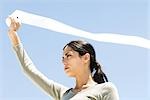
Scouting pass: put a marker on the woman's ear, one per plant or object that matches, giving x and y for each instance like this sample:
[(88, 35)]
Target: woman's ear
[(86, 57)]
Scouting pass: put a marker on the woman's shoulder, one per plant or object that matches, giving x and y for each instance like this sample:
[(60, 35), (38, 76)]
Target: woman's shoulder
[(107, 84), (107, 87), (109, 90)]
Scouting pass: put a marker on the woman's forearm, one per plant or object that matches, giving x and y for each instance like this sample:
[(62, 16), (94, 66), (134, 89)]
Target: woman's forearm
[(14, 38)]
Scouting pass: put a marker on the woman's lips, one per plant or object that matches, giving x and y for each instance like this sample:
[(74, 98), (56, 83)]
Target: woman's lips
[(65, 68)]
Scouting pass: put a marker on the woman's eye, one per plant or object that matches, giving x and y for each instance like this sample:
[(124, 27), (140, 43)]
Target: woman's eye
[(62, 58), (68, 56)]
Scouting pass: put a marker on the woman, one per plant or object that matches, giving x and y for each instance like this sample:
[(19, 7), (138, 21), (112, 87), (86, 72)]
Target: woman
[(79, 61)]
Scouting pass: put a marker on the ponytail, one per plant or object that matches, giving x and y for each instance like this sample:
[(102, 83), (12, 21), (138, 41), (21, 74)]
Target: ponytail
[(99, 76)]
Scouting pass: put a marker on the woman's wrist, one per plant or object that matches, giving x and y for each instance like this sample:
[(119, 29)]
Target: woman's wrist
[(13, 37), (11, 31)]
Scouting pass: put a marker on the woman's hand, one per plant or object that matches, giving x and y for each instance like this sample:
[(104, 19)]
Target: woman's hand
[(12, 32), (14, 26)]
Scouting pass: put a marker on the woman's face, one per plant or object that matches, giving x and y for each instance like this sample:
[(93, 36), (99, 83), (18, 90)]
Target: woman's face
[(73, 63)]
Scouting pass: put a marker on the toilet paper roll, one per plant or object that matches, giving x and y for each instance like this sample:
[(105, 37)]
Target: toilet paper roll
[(57, 26)]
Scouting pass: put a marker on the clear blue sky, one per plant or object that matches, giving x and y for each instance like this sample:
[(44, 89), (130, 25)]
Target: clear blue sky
[(128, 67)]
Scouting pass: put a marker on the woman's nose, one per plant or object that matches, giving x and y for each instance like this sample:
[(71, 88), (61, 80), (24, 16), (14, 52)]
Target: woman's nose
[(64, 60), (64, 63)]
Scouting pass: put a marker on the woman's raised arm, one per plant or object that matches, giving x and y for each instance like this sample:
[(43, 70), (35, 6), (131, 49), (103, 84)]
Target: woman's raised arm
[(51, 88)]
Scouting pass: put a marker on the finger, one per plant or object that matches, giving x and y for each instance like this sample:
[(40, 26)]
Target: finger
[(12, 21), (10, 18), (12, 24), (17, 25)]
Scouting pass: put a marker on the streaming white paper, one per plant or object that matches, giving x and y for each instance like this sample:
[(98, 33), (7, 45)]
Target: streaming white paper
[(53, 25)]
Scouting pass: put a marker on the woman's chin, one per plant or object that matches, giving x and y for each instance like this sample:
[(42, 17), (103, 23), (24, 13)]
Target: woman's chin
[(69, 74)]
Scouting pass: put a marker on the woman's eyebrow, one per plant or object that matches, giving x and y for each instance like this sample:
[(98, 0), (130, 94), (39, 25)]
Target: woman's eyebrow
[(67, 52)]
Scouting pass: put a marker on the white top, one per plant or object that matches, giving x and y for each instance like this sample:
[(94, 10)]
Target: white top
[(104, 91)]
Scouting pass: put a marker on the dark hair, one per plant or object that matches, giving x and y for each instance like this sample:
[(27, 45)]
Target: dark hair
[(82, 48)]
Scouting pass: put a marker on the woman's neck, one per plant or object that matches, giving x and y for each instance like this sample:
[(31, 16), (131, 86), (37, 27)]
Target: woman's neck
[(84, 80)]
